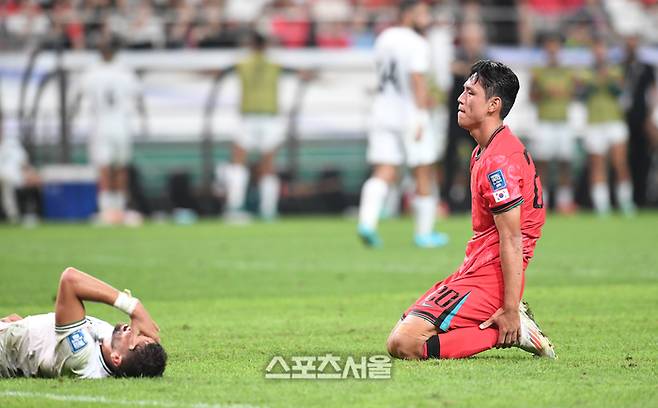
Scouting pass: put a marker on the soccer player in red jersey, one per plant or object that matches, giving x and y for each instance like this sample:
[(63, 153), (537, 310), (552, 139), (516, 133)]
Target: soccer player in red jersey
[(479, 306)]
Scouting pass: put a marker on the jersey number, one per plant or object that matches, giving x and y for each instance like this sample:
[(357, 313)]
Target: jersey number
[(388, 74)]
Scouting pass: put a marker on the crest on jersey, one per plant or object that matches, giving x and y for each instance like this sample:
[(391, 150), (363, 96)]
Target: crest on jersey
[(497, 180), (77, 341)]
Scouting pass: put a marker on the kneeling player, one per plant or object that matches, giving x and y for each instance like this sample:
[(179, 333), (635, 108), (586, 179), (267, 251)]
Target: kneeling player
[(479, 306), (69, 343)]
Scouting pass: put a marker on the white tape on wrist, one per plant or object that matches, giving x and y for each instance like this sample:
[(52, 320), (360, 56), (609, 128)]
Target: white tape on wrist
[(126, 303)]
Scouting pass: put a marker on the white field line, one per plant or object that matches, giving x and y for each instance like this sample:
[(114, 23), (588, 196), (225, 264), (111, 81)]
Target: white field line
[(110, 401)]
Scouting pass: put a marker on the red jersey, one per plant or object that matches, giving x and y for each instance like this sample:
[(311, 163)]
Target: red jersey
[(503, 176)]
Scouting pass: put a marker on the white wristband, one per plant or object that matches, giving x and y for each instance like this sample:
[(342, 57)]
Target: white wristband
[(126, 303)]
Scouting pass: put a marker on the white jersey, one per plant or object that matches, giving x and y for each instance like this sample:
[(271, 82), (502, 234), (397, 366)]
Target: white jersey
[(399, 52), (36, 347), (111, 90)]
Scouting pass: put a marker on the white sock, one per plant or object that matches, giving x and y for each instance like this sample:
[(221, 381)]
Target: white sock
[(237, 179), (624, 192), (268, 189), (564, 196), (119, 201), (392, 202), (373, 194), (601, 197), (425, 210), (105, 201)]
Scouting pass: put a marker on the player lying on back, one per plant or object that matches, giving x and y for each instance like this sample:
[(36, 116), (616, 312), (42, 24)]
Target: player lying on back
[(69, 343), (479, 306)]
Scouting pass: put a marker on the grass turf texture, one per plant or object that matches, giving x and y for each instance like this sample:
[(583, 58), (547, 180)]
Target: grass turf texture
[(228, 299)]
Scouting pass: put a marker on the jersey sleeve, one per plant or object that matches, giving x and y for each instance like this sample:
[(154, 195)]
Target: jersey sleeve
[(420, 60), (501, 183), (75, 347)]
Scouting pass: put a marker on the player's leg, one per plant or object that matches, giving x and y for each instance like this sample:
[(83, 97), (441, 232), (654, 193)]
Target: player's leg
[(443, 323), (425, 207), (596, 146), (272, 135), (541, 147), (385, 153), (373, 196), (237, 180), (619, 159), (564, 197), (268, 186)]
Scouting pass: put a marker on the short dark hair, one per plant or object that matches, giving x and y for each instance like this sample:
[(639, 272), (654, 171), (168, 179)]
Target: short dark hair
[(499, 80), (258, 40), (406, 5), (146, 360)]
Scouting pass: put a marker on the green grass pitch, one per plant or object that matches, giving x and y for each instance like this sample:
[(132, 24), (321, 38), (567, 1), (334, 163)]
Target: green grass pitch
[(228, 299)]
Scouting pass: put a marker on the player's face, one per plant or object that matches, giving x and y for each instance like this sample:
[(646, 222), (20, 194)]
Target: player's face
[(472, 108), (421, 18), (121, 338)]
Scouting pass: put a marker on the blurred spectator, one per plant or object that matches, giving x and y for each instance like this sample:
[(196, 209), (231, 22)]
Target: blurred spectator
[(67, 26), (362, 31), (553, 89), (640, 82), (290, 24), (145, 29), (471, 48), (180, 28), (541, 16), (606, 133), (331, 17), (25, 21), (213, 30)]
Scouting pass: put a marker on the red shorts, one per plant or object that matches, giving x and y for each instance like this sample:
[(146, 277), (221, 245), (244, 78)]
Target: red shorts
[(461, 301)]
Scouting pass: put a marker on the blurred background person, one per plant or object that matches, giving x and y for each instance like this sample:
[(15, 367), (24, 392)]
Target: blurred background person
[(15, 173), (639, 90), (606, 133), (471, 48), (113, 92), (401, 132), (263, 130), (553, 89)]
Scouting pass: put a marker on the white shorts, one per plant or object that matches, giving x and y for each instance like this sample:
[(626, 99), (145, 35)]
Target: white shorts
[(110, 150), (600, 137), (262, 133), (553, 140), (386, 146)]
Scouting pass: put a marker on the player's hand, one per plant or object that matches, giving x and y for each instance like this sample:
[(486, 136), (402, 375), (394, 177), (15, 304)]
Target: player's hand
[(11, 318), (142, 323), (508, 322)]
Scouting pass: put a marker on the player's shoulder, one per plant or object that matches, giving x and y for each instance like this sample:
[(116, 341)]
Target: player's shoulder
[(400, 35), (507, 144)]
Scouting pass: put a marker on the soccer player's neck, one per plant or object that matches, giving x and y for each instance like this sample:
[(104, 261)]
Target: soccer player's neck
[(483, 133), (106, 351)]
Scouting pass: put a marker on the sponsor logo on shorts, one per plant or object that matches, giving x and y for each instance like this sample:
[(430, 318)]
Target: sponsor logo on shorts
[(497, 180), (77, 341)]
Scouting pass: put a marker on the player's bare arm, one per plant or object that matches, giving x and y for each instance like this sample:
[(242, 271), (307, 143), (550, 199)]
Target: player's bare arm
[(507, 318), (76, 286)]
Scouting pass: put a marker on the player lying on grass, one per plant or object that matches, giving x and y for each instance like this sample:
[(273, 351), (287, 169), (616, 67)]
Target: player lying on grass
[(479, 306), (69, 343)]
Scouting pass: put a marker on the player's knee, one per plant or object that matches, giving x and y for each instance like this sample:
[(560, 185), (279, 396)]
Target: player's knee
[(403, 347), (68, 274)]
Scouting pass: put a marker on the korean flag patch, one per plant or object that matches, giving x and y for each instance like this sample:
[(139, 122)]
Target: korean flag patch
[(77, 341), (501, 195), (497, 180)]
